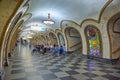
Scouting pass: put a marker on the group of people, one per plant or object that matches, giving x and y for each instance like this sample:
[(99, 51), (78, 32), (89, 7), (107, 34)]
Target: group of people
[(40, 49), (55, 49), (59, 50)]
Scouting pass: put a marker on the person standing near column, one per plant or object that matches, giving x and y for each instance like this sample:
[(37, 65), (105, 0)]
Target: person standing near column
[(64, 50)]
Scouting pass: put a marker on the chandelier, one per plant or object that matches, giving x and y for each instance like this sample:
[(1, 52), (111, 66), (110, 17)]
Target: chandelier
[(49, 21)]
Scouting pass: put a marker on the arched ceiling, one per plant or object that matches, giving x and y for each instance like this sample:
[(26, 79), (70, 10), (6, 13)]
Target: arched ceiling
[(77, 11), (59, 10)]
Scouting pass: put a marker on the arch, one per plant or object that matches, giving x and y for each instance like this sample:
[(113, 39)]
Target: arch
[(26, 3), (6, 45), (43, 38), (25, 17), (47, 40), (11, 35), (61, 39), (8, 33), (114, 35), (53, 38), (15, 20), (5, 31), (59, 31), (94, 41), (25, 9), (73, 37)]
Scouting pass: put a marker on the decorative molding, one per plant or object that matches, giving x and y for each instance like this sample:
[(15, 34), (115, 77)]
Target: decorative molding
[(30, 15), (26, 9), (100, 15), (12, 34), (103, 9), (5, 28), (27, 14), (58, 30), (26, 3), (89, 19), (10, 29), (69, 21)]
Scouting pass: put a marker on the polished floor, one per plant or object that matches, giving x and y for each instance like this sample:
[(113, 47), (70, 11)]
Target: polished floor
[(27, 66)]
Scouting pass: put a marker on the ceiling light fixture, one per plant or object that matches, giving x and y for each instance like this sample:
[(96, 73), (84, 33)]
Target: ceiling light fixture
[(49, 21)]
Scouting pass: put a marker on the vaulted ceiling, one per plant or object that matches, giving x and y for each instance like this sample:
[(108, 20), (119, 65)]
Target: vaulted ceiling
[(59, 10)]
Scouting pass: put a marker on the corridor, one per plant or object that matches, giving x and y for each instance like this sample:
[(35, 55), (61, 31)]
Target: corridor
[(87, 30), (27, 66)]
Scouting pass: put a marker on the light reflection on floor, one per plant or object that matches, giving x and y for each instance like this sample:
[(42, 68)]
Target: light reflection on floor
[(25, 66)]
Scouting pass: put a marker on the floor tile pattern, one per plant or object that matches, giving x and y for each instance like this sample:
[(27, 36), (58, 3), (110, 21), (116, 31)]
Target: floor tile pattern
[(27, 66)]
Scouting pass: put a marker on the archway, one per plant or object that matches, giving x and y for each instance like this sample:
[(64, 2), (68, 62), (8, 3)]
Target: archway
[(9, 44), (48, 40), (14, 22), (8, 34), (114, 36), (53, 38), (43, 40), (94, 42), (14, 32), (12, 26), (17, 17), (61, 39), (74, 41)]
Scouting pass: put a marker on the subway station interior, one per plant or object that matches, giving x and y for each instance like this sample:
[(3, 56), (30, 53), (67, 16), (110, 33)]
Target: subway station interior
[(59, 39)]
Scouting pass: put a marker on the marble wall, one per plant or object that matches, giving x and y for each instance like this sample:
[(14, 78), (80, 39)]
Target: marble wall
[(6, 9)]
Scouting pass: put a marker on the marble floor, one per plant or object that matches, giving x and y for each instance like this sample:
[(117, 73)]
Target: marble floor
[(27, 66)]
